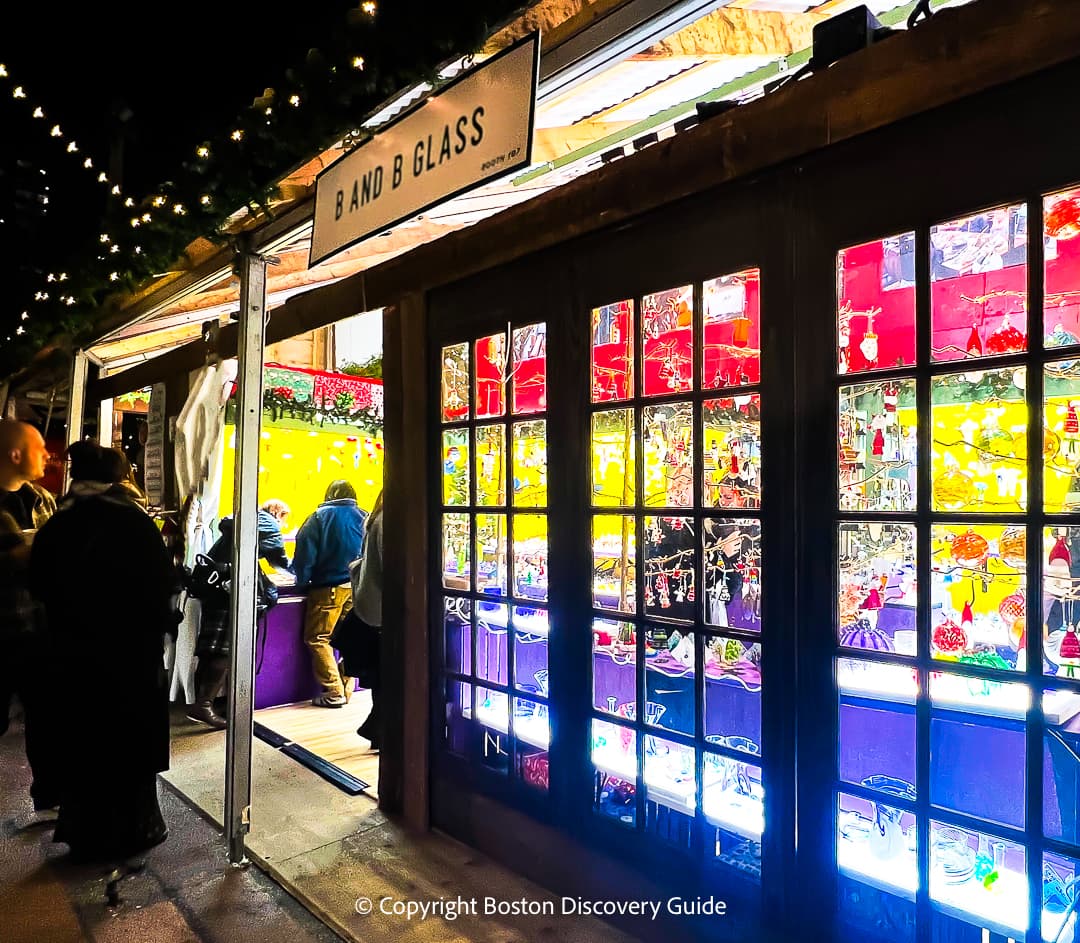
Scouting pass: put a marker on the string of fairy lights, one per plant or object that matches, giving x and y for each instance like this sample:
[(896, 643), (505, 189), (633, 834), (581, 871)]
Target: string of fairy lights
[(379, 53)]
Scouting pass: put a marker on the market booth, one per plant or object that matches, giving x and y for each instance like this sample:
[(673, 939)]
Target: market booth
[(792, 526), (732, 538)]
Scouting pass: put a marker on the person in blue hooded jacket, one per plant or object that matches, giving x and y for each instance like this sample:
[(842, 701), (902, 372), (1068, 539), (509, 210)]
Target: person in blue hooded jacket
[(327, 542)]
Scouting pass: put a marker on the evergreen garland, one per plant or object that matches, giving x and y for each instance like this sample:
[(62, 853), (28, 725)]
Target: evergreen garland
[(379, 51)]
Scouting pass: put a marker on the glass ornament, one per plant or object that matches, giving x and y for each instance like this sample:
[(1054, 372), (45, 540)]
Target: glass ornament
[(953, 490), (1006, 339), (970, 550), (1012, 547)]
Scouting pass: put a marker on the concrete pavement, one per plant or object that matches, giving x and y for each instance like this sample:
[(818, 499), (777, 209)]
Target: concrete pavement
[(188, 892)]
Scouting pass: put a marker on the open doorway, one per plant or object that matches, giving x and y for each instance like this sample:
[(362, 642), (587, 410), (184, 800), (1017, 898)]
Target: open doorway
[(321, 430)]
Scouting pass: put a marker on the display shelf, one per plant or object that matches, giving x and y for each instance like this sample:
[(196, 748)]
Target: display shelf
[(529, 729), (722, 808), (1008, 701), (1002, 910), (735, 812)]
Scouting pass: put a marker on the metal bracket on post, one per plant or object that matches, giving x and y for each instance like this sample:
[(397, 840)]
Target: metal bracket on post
[(76, 404), (245, 562)]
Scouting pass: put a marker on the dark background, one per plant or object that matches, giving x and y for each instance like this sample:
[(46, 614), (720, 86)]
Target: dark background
[(137, 87)]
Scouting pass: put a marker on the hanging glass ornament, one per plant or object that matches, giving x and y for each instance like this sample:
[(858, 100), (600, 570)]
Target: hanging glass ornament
[(974, 344), (869, 347), (949, 639), (953, 490), (1006, 339), (993, 442), (1012, 608), (1057, 578), (1012, 547), (740, 331)]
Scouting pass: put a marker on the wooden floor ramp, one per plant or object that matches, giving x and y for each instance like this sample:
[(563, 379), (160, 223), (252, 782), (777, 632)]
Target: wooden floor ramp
[(325, 741)]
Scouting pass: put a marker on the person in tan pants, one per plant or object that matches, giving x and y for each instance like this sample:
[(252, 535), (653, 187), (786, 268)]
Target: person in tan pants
[(325, 605), (327, 542)]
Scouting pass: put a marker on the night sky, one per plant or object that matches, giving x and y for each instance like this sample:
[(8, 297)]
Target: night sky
[(147, 82)]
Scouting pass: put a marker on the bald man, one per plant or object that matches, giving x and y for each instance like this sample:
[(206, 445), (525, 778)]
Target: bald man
[(24, 658)]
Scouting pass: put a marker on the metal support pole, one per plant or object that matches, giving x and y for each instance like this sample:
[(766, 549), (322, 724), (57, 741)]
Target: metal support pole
[(76, 404), (105, 415), (245, 560)]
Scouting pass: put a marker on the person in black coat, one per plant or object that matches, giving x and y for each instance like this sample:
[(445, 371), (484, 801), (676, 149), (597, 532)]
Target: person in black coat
[(102, 573)]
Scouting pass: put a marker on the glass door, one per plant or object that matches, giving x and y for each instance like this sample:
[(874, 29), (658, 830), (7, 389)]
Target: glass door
[(494, 554), (675, 532), (955, 535)]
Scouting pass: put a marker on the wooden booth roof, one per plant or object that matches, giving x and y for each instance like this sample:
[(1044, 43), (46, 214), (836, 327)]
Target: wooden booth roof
[(728, 52)]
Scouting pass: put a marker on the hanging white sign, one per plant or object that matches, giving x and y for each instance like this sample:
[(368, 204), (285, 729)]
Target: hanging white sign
[(479, 127)]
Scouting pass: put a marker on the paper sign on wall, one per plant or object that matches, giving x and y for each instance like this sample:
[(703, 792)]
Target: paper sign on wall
[(475, 130)]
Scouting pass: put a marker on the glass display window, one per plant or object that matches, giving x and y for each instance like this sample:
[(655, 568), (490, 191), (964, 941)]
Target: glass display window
[(490, 366), (670, 790), (492, 745), (979, 592), (530, 464), (733, 810), (878, 446), (875, 295), (1061, 601), (455, 471), (491, 541), (1061, 437), (876, 855), (670, 567), (1061, 271), (531, 630), (614, 757), (532, 734), (492, 647), (456, 552), (457, 635), (979, 879), (1061, 765), (934, 690), (614, 474), (1060, 876), (878, 587), (732, 689), (455, 383), (979, 448), (528, 378), (614, 562), (496, 630), (676, 657), (612, 346), (978, 284), (490, 458), (731, 447), (977, 748), (731, 325), (667, 331), (669, 679), (667, 444), (614, 668), (731, 559)]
